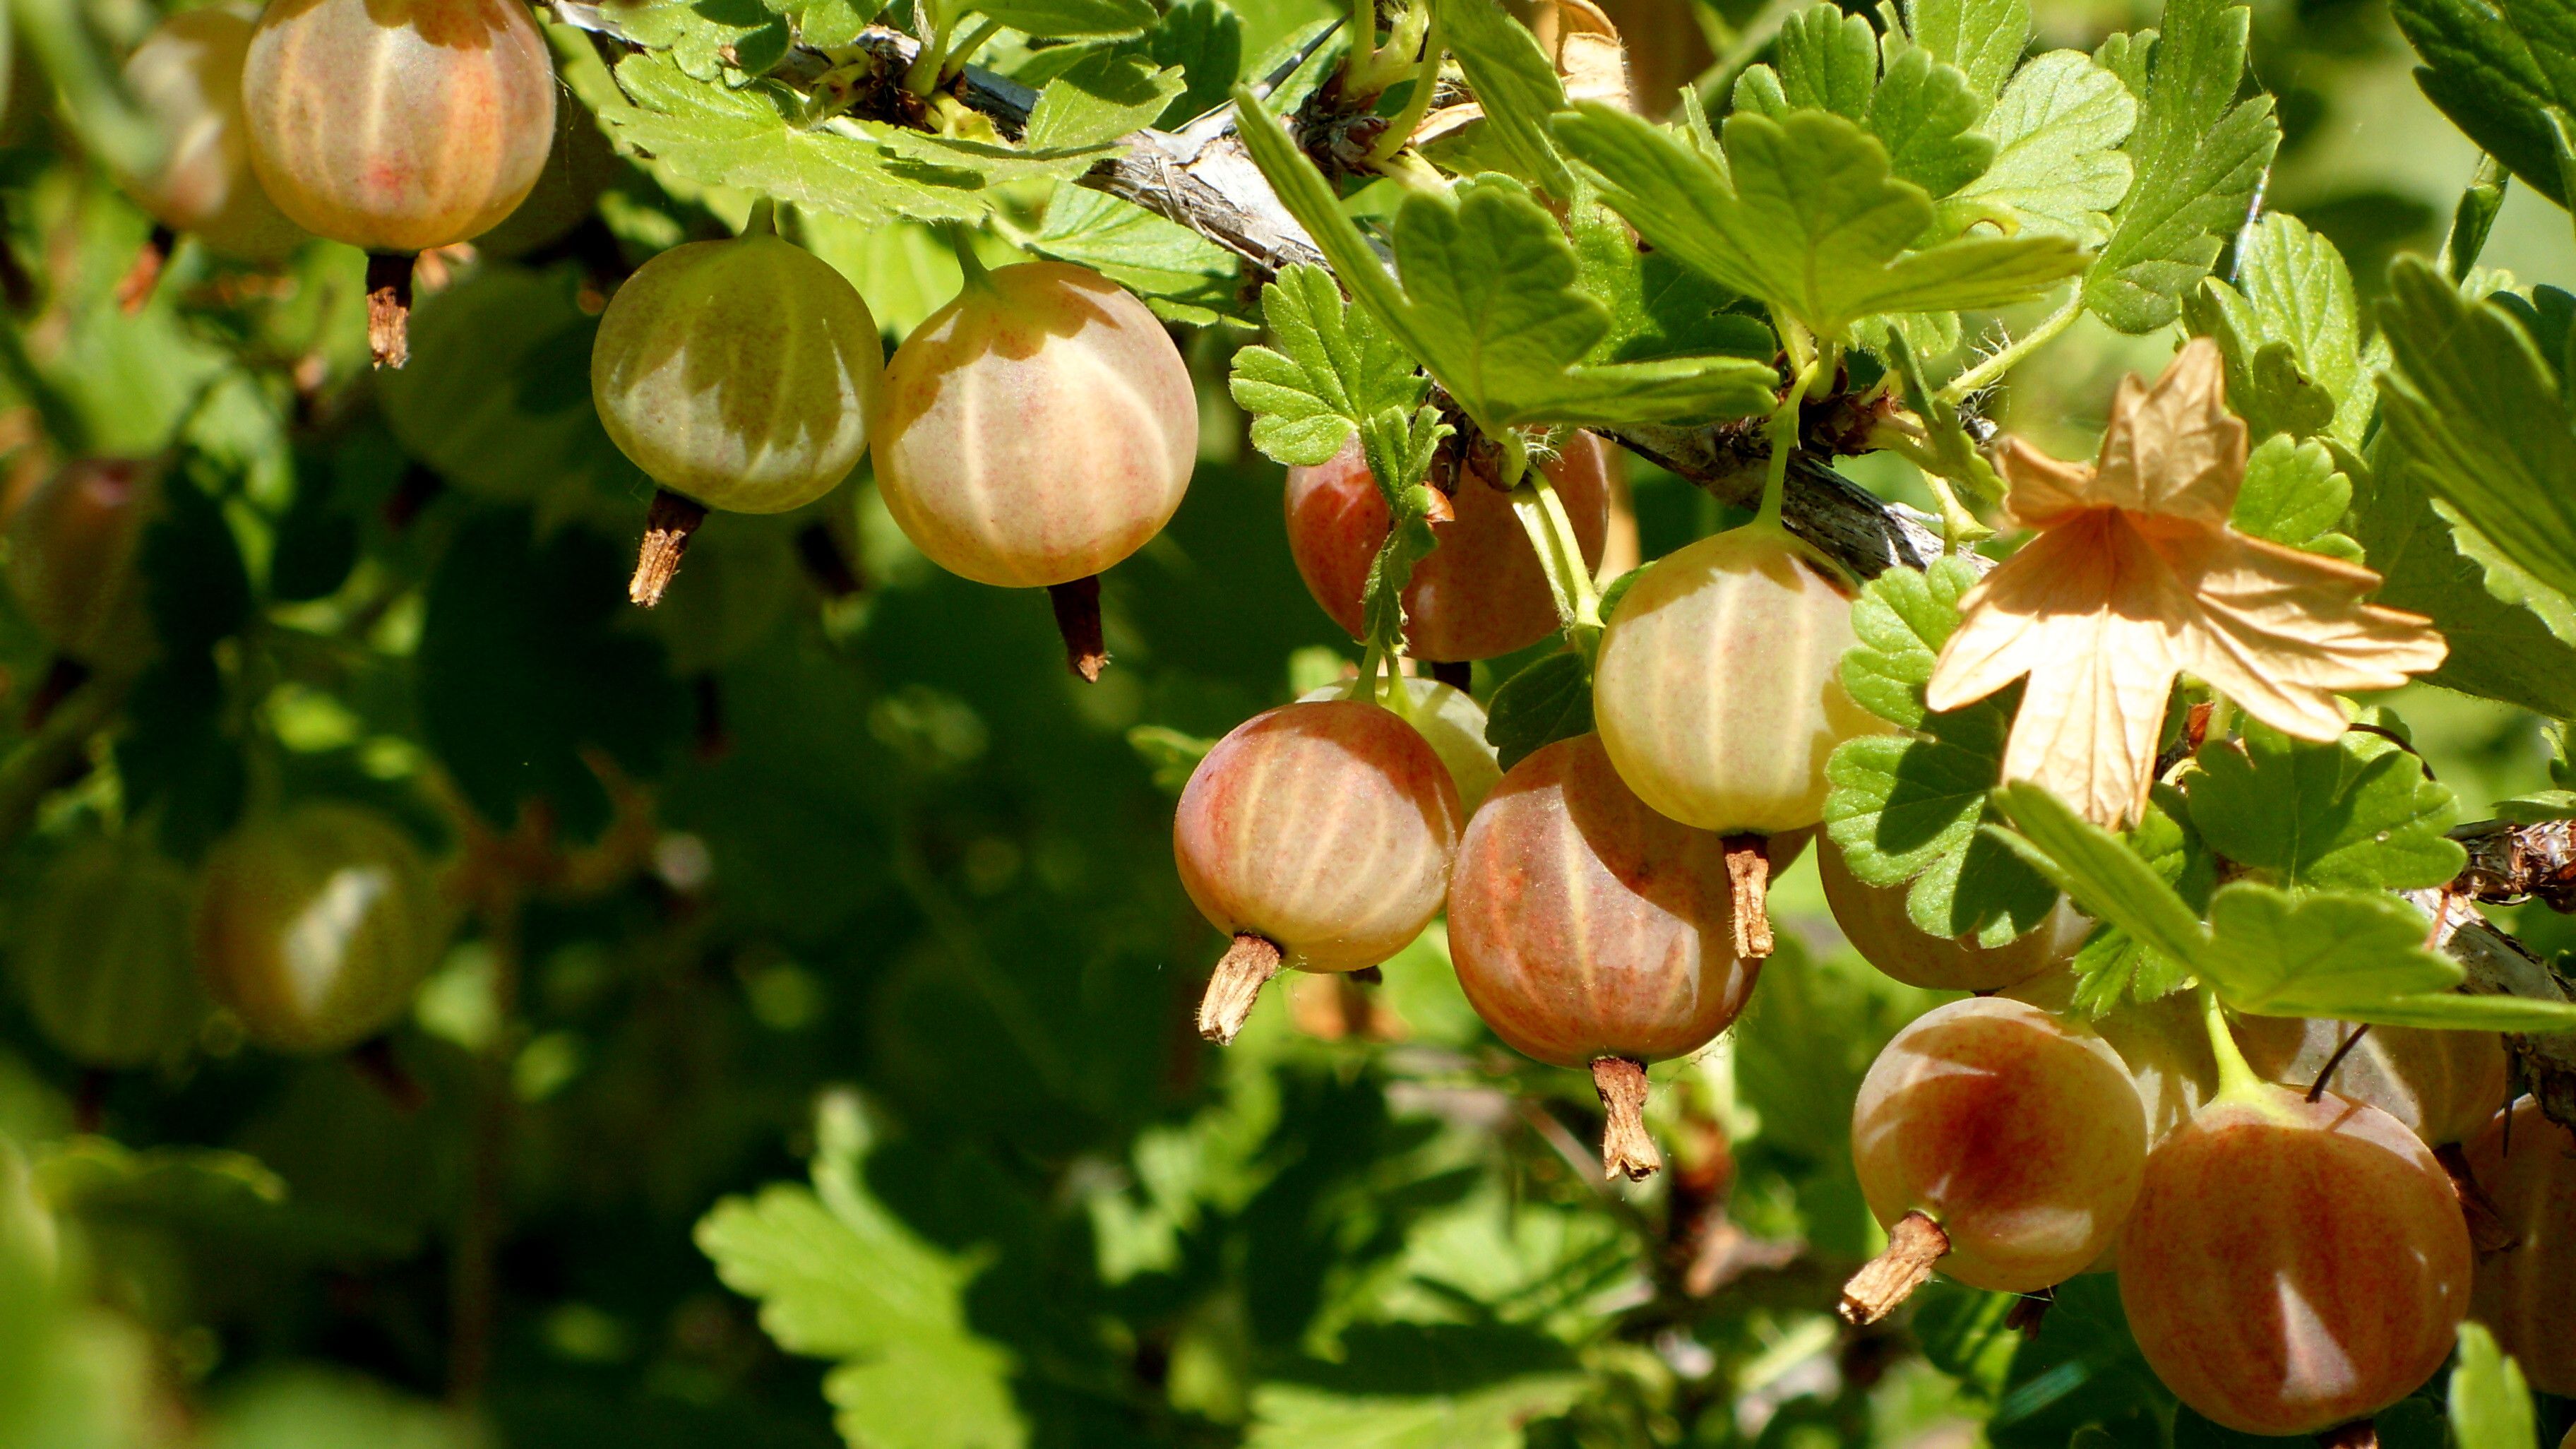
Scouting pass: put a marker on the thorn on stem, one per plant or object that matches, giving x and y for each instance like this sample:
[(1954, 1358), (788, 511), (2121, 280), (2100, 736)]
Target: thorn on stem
[(1077, 618), (134, 289), (1748, 870), (389, 307), (667, 529), (1247, 967), (1914, 1245), (1626, 1150)]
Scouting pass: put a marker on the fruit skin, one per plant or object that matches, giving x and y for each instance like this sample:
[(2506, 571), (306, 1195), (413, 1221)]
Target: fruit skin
[(2017, 1132), (1718, 692), (2292, 1266), (1585, 925), (1037, 429), (743, 373), (1481, 593), (1326, 828), (2444, 1085), (2164, 1043), (398, 125), (315, 926), (1874, 920), (1453, 724), (73, 543), (104, 956), (2522, 1292), (188, 74)]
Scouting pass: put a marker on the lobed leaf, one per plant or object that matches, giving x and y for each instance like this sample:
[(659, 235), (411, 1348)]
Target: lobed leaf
[(2291, 494), (1102, 97), (2495, 67), (1329, 367), (1983, 38), (1516, 86), (2357, 811), (2057, 167)]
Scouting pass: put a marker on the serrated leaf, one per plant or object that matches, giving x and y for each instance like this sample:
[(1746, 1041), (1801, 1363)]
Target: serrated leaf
[(1329, 367), (831, 24), (2292, 288), (2114, 966), (1901, 619), (2495, 67), (1548, 701), (2199, 155), (1826, 61), (967, 164), (1516, 85), (2058, 168), (1983, 38), (1159, 260), (2537, 807), (2490, 1404), (748, 139), (2477, 417), (1488, 303), (1068, 17), (707, 38), (1658, 307), (1102, 97), (1807, 218), (2291, 493), (2109, 880), (2357, 811), (1907, 811), (1925, 113)]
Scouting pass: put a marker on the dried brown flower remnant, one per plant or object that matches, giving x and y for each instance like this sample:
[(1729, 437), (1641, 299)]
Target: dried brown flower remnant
[(2136, 577)]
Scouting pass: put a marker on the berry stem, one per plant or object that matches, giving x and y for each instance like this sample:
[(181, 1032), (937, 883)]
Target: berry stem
[(1748, 871), (763, 220), (2359, 1434), (1560, 554), (2236, 1080), (667, 530), (1914, 1245), (1077, 618), (1993, 368), (1247, 967), (389, 307), (964, 50), (1626, 1149), (1426, 79), (1783, 432), (961, 240)]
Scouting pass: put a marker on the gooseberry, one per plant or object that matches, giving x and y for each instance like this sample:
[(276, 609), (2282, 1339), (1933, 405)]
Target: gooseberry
[(1591, 932), (1317, 835), (73, 543), (2292, 1266), (1481, 593), (1998, 1142), (2526, 1163), (314, 926), (2163, 1043), (1037, 429), (740, 374), (397, 126), (188, 75), (104, 957), (2444, 1085), (1453, 724), (1874, 920)]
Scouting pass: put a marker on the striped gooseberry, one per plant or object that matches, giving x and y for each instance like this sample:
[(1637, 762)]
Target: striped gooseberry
[(1037, 429), (313, 926), (1997, 1143), (104, 956), (1319, 836), (187, 74), (1874, 920), (1591, 932), (2444, 1085), (1478, 595), (2526, 1164), (1453, 724)]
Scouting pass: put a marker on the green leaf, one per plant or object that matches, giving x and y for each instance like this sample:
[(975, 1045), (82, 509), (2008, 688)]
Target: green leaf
[(2199, 156), (1068, 17), (2538, 806), (1418, 1386), (839, 1277), (2495, 67), (750, 139), (2355, 811), (1332, 367), (1827, 60), (1901, 619), (1810, 221), (2292, 338), (2490, 1403), (1103, 97), (2477, 417), (710, 40), (1515, 83), (2499, 649), (2058, 168), (2114, 966), (1550, 700), (1181, 275), (2291, 493), (1205, 39), (831, 24), (1983, 38), (1924, 113), (1658, 307), (1488, 303), (2108, 879)]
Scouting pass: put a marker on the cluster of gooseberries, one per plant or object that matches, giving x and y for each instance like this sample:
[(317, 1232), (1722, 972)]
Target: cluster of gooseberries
[(2290, 1207)]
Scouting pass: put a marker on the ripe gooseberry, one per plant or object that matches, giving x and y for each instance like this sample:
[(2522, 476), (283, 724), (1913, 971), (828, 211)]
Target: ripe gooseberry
[(104, 958), (1875, 921), (2292, 1266), (2162, 1042), (1317, 835), (1718, 692), (2527, 1165), (188, 75), (1481, 593), (73, 542), (1591, 932), (1453, 724), (314, 926), (397, 126), (2444, 1085), (1998, 1142), (740, 375), (1037, 429)]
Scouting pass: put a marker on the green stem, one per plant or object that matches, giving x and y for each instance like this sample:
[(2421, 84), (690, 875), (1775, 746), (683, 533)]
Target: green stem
[(1426, 79), (922, 76), (2236, 1080), (1783, 432), (964, 50), (1560, 554), (763, 220), (2002, 362), (961, 239), (1362, 56)]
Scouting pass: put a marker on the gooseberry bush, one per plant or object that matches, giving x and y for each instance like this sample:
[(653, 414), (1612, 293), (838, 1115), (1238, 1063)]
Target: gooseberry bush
[(559, 884)]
